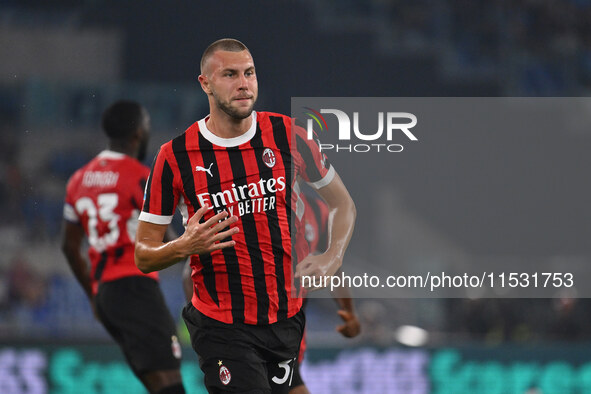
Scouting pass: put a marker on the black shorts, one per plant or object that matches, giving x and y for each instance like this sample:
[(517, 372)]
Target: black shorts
[(245, 358), (134, 312), (297, 377)]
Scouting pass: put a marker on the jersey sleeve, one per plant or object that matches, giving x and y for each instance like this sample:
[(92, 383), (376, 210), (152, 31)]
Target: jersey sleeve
[(312, 164), (138, 196), (70, 213), (160, 195)]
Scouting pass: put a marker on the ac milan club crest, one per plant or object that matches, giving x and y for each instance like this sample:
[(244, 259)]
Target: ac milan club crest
[(269, 157), (225, 375)]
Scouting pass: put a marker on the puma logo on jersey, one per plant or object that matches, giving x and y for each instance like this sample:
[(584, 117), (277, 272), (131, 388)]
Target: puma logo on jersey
[(208, 170)]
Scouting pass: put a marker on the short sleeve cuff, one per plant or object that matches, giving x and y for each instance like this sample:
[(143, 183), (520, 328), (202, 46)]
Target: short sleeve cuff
[(156, 219), (70, 214), (324, 181)]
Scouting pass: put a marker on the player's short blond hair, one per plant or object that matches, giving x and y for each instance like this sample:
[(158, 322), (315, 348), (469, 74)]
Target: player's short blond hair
[(224, 44)]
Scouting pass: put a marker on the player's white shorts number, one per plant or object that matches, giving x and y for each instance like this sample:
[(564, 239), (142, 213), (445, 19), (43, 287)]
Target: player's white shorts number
[(288, 372)]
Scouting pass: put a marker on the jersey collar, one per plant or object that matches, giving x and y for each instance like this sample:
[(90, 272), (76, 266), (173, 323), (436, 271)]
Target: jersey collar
[(110, 154), (228, 142)]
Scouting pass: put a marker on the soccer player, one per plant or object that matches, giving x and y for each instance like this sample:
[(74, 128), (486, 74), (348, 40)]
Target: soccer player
[(315, 224), (103, 200), (230, 174)]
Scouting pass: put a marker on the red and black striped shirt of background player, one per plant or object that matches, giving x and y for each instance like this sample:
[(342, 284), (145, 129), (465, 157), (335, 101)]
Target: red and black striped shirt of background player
[(315, 223), (251, 282), (90, 197)]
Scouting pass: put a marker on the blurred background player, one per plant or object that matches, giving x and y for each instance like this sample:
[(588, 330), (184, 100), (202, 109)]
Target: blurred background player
[(103, 200), (315, 222)]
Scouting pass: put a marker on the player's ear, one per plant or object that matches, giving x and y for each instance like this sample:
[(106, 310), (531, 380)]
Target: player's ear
[(204, 83), (137, 134)]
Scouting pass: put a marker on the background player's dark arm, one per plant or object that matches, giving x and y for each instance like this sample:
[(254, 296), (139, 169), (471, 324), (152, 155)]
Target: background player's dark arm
[(72, 237), (343, 298), (351, 326)]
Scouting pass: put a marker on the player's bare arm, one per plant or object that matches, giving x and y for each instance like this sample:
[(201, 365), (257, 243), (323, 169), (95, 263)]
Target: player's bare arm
[(72, 237), (344, 299), (351, 326), (342, 215), (153, 254)]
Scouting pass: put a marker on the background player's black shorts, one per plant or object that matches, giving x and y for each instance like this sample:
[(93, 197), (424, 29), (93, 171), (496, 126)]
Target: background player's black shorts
[(134, 312), (245, 358)]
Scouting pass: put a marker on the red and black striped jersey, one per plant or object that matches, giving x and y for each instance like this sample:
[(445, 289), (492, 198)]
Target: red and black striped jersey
[(105, 197), (315, 223), (253, 176)]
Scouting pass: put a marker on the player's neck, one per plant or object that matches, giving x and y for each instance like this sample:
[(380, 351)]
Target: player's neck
[(121, 148), (224, 126)]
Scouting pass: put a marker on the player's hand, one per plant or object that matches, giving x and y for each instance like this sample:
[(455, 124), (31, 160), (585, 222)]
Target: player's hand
[(200, 238), (351, 328), (318, 268)]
